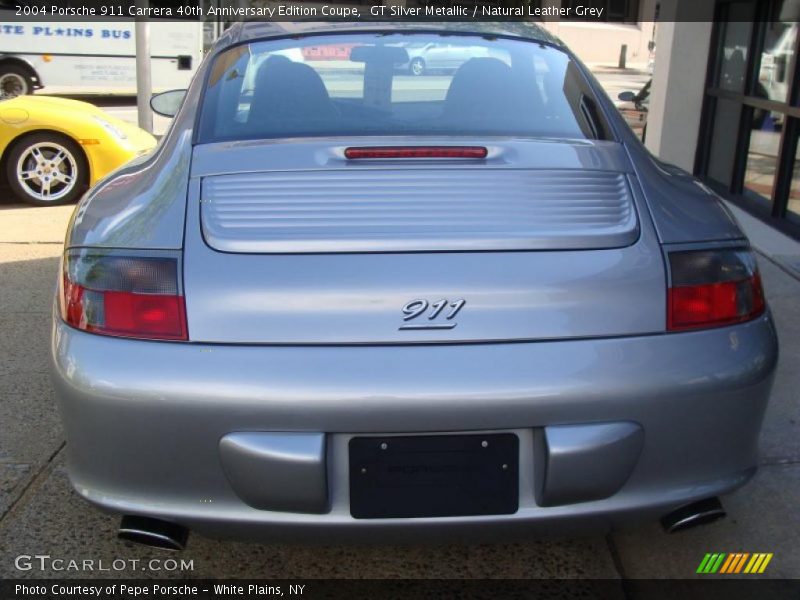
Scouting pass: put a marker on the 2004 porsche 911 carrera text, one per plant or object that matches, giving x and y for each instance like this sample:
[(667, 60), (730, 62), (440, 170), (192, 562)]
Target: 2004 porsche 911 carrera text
[(343, 300)]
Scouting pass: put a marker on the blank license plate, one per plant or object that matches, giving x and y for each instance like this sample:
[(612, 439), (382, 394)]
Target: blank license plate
[(434, 476)]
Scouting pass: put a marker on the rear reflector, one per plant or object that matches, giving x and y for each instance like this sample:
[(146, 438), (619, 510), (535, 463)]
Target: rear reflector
[(122, 295), (713, 288), (416, 152)]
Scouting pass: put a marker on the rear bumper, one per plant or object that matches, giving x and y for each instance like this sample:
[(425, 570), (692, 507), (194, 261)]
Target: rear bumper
[(144, 423)]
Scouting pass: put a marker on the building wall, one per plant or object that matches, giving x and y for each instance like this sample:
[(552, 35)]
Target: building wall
[(679, 75), (600, 43)]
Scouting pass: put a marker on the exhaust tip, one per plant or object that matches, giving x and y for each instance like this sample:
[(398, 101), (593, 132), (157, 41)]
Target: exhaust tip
[(153, 533), (692, 515)]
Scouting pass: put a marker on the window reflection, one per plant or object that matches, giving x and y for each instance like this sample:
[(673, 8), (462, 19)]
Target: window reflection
[(754, 106), (762, 160), (794, 190), (735, 42), (724, 135), (776, 58)]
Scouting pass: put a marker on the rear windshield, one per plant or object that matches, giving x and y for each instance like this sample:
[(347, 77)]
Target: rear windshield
[(384, 85)]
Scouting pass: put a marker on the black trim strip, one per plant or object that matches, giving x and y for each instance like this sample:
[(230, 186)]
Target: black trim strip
[(755, 101)]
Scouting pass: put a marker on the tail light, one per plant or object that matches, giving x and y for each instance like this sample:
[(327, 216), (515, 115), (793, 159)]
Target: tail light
[(712, 288), (126, 295), (416, 152)]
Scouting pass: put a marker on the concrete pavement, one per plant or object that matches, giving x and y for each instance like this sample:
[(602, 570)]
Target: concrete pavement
[(39, 513)]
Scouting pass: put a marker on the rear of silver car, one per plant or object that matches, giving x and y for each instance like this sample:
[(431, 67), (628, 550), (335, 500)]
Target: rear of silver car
[(411, 335)]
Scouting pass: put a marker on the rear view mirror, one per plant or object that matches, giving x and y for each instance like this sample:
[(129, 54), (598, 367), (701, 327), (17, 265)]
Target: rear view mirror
[(168, 103), (627, 96), (381, 54)]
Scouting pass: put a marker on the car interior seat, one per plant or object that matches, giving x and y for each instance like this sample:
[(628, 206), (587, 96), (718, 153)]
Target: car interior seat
[(486, 90), (287, 96)]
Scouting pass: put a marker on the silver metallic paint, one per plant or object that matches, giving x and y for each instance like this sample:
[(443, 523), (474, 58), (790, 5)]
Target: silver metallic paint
[(249, 31), (144, 419), (142, 204), (120, 215), (588, 462), (277, 470), (433, 208), (682, 210), (139, 409), (357, 297), (255, 156)]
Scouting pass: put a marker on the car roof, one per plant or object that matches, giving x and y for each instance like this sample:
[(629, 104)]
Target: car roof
[(256, 30)]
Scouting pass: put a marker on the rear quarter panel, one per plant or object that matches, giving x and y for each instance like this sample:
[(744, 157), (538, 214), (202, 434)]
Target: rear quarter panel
[(683, 210), (143, 204)]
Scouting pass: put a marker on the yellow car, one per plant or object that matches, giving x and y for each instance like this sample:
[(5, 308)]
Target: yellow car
[(52, 149)]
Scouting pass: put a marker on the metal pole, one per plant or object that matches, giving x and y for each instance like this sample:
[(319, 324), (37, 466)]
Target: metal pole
[(623, 55), (144, 83)]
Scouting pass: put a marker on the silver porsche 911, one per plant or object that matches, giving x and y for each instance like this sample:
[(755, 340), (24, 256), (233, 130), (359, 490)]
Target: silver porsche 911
[(344, 300)]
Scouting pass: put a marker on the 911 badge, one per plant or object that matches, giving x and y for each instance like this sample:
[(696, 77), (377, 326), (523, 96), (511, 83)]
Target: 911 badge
[(422, 314)]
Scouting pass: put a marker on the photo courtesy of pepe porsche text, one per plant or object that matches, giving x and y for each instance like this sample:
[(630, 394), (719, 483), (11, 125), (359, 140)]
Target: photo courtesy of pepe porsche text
[(70, 591)]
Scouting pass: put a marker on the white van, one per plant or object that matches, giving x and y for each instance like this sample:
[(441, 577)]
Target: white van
[(94, 57)]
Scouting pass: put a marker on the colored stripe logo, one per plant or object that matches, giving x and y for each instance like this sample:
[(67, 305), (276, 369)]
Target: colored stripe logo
[(734, 563)]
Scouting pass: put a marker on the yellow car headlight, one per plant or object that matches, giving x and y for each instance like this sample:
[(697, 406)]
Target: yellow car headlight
[(110, 128)]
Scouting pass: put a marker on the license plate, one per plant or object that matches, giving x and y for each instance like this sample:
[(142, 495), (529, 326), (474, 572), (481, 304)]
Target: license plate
[(434, 476)]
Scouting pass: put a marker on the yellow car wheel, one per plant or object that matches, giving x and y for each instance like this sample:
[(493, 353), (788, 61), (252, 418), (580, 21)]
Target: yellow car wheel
[(47, 169)]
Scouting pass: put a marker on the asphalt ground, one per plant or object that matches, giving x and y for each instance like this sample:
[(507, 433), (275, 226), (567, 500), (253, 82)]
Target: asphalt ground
[(41, 515)]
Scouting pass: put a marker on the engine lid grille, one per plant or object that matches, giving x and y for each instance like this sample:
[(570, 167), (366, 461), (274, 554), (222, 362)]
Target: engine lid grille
[(412, 210)]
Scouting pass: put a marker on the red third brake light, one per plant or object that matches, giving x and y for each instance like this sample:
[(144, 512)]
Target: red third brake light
[(123, 295), (416, 152), (712, 288)]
